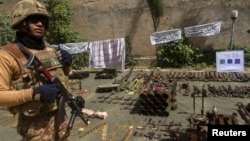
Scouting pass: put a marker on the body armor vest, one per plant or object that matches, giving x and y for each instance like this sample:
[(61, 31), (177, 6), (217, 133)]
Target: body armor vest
[(30, 78)]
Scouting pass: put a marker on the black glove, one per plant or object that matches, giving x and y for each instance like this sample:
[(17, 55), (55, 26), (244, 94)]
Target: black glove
[(45, 93), (64, 57)]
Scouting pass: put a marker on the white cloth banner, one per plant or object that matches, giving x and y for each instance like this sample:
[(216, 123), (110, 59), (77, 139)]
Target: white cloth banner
[(230, 61), (165, 36), (74, 48), (203, 30), (107, 53)]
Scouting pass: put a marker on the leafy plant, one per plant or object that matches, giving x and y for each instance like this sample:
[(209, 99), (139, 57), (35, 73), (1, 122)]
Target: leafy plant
[(7, 34), (130, 61), (178, 54), (246, 53), (80, 60), (157, 10), (60, 30)]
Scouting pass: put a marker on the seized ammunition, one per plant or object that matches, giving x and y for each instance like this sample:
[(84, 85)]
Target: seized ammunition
[(167, 110)]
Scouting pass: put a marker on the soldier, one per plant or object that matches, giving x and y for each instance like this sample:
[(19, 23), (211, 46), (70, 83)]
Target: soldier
[(24, 91)]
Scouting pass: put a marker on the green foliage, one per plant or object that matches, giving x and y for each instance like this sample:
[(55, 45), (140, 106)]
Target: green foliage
[(6, 33), (246, 53), (157, 10), (178, 54), (80, 60), (129, 61), (60, 30)]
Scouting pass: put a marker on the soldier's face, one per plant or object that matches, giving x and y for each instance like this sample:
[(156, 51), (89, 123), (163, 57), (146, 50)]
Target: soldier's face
[(36, 26)]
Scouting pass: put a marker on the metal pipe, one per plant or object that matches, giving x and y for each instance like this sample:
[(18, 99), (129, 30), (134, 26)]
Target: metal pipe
[(234, 16), (232, 35)]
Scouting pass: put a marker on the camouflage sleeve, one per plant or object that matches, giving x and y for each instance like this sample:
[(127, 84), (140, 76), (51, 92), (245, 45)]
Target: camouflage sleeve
[(10, 70)]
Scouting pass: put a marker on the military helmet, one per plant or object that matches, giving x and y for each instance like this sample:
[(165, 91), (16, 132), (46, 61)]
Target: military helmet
[(26, 8)]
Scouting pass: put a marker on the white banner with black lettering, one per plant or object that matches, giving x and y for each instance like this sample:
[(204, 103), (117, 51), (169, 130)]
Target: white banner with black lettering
[(230, 61), (73, 48), (165, 36), (203, 30)]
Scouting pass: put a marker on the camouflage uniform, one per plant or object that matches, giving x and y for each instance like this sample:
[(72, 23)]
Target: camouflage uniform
[(36, 120)]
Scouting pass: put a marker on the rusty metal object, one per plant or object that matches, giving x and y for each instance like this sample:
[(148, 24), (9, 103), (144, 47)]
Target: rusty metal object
[(197, 135), (196, 91), (248, 107), (178, 75), (189, 76), (79, 75), (124, 80), (211, 76), (220, 77), (243, 112), (221, 119), (108, 88), (186, 89), (135, 85), (107, 73), (158, 99)]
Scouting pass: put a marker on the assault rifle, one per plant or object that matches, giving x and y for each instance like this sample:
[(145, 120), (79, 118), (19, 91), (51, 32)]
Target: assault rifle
[(75, 103)]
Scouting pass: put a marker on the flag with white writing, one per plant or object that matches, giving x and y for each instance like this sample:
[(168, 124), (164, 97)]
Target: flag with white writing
[(165, 36), (203, 30)]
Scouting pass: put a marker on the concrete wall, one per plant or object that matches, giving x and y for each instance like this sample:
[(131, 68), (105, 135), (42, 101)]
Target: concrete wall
[(108, 19)]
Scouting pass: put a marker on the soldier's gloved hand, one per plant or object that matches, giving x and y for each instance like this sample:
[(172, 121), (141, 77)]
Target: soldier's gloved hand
[(45, 93), (64, 57)]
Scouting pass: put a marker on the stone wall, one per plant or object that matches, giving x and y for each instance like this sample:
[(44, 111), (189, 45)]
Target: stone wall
[(108, 19)]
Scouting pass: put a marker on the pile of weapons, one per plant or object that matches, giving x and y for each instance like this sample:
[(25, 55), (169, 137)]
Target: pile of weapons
[(134, 86), (124, 80), (131, 85), (107, 73), (228, 91), (221, 90), (209, 76), (78, 75), (222, 119), (244, 111), (157, 95), (154, 129)]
